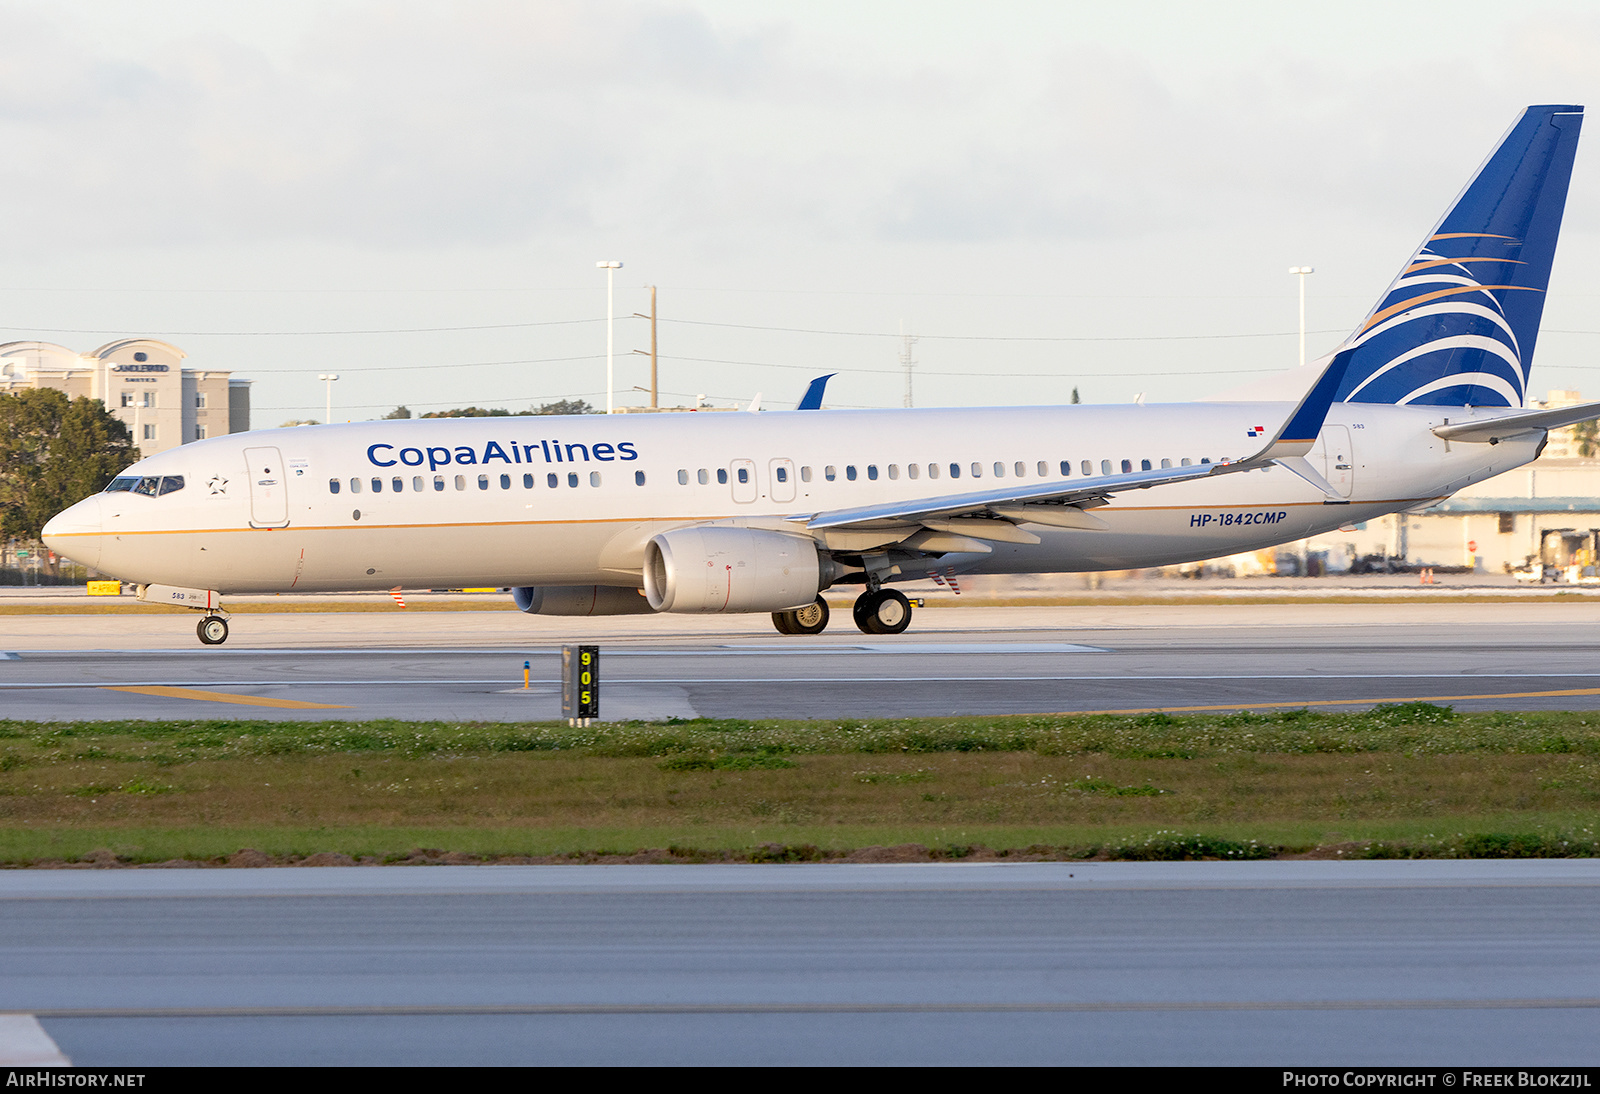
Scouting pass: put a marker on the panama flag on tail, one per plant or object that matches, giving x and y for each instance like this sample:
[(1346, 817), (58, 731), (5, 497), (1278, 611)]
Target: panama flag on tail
[(1458, 326)]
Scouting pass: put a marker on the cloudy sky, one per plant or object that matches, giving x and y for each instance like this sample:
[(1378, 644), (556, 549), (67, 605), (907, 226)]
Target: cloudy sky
[(1049, 195)]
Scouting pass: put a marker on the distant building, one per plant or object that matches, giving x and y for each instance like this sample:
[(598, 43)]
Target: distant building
[(142, 382)]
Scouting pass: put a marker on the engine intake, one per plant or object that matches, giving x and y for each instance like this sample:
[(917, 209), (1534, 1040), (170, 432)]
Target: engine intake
[(717, 568)]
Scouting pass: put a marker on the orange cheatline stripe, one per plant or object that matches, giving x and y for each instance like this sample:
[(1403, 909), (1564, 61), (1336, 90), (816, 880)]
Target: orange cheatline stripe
[(1467, 235), (1328, 703), (1393, 309), (226, 697)]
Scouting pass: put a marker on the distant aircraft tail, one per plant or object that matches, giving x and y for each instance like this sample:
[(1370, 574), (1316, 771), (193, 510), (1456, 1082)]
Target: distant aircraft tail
[(1458, 326)]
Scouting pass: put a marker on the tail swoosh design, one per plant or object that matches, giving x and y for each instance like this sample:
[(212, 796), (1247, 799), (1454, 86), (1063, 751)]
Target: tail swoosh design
[(1458, 326)]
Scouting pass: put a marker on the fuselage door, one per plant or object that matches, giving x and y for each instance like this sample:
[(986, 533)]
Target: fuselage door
[(782, 472), (269, 495), (1338, 461), (744, 480)]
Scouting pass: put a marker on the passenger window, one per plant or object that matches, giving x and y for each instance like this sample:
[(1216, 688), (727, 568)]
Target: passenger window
[(933, 470), (1066, 468), (744, 475), (1044, 468), (829, 473), (399, 485), (638, 478), (955, 471), (505, 482), (977, 470), (894, 471), (850, 471), (1144, 465), (333, 486), (872, 472), (416, 483), (722, 476), (683, 477), (1105, 467), (483, 482), (552, 481), (1185, 462), (461, 482), (1204, 459), (1127, 467), (702, 476), (438, 482), (572, 479), (1088, 467), (594, 478), (999, 470), (355, 486), (805, 473), (1022, 469), (912, 470), (171, 483), (527, 482), (377, 486), (781, 473), (1166, 464)]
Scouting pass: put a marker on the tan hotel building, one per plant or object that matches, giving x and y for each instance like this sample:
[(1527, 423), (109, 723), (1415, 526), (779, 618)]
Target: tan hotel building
[(142, 382)]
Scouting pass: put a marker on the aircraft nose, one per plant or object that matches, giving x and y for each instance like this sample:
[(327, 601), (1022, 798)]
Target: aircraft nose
[(76, 531)]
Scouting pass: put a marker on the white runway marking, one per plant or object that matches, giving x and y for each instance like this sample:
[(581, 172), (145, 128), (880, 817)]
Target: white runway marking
[(24, 1043)]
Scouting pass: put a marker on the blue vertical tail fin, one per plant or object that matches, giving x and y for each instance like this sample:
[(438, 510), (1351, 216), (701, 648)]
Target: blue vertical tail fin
[(1458, 326)]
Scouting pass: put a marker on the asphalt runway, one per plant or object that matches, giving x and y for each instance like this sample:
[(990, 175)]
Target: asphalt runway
[(468, 665), (1277, 963)]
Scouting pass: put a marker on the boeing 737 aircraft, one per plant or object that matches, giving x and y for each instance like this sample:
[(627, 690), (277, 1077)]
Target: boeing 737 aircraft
[(762, 512)]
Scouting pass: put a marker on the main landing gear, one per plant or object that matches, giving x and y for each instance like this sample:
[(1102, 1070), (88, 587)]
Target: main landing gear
[(882, 611), (213, 630), (810, 619)]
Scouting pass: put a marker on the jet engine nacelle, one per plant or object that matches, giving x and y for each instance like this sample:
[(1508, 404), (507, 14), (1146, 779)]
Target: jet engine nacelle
[(717, 568), (580, 600)]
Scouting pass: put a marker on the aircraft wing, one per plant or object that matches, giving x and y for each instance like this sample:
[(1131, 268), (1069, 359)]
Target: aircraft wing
[(1493, 430), (1051, 501)]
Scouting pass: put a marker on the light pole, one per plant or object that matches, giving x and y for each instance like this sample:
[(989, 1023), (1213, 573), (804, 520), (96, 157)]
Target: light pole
[(1300, 272), (328, 378), (611, 269)]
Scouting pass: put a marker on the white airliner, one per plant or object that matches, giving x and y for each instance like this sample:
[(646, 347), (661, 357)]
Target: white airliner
[(706, 513)]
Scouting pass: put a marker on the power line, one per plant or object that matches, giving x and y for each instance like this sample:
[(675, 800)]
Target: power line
[(1005, 337)]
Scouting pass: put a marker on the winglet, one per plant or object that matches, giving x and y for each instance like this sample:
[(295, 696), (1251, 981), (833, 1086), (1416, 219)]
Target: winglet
[(1299, 433), (812, 399)]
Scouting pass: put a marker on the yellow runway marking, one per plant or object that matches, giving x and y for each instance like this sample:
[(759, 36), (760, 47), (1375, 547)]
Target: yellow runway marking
[(1329, 703), (227, 697)]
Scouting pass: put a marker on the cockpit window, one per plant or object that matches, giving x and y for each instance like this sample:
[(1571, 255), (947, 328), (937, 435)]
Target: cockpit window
[(121, 483), (148, 486), (171, 483)]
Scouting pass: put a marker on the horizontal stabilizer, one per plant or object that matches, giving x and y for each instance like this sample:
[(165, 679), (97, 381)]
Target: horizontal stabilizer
[(1494, 430)]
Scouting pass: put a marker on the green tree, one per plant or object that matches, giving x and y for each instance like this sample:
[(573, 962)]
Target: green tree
[(1074, 396), (398, 412), (54, 451), (564, 406), (468, 412), (1588, 438)]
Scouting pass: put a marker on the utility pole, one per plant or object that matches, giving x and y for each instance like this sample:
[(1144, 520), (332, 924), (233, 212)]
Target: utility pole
[(1300, 272), (611, 373), (652, 318), (906, 359)]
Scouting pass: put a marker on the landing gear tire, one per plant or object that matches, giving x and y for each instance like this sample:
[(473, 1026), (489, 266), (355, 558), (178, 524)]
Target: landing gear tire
[(811, 619), (213, 630), (886, 611)]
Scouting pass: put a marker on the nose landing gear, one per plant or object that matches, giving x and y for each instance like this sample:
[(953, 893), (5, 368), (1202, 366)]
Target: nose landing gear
[(213, 630), (883, 611)]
